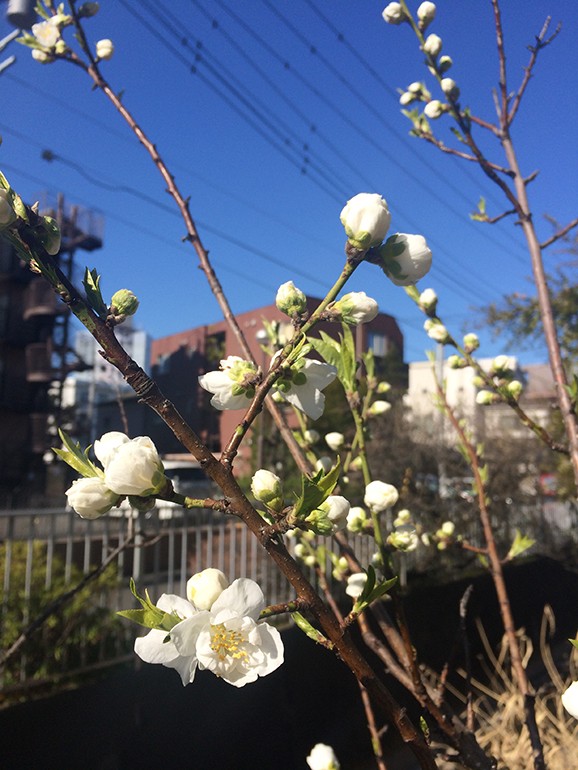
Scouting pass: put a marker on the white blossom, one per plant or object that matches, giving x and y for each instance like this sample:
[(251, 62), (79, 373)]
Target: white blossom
[(405, 258), (379, 496), (322, 756), (393, 13), (233, 385), (432, 45), (449, 87), (104, 49), (426, 13), (90, 497), (304, 390), (107, 444), (205, 587), (356, 584), (436, 330), (46, 33), (227, 639), (570, 699), (335, 441), (134, 468), (356, 308), (434, 109), (366, 220)]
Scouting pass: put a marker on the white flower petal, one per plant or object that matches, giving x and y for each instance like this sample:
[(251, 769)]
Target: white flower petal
[(243, 597)]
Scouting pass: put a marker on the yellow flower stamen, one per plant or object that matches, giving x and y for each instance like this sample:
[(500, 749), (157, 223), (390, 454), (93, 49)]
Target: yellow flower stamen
[(227, 643)]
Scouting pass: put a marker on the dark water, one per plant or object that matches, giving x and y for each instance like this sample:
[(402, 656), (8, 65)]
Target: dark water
[(141, 719)]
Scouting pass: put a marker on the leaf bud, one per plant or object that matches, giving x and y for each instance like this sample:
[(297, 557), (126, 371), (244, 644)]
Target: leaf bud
[(86, 10), (49, 235)]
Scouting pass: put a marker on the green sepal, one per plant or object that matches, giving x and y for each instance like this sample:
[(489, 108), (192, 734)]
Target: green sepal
[(305, 626), (314, 490), (521, 543), (76, 457), (150, 616), (91, 283)]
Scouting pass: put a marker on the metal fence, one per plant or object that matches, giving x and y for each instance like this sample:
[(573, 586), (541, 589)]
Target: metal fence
[(44, 552)]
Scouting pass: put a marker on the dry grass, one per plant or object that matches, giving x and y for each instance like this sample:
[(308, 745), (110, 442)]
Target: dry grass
[(498, 709)]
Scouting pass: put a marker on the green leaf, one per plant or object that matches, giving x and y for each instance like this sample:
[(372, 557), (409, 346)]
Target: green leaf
[(76, 457), (91, 283), (574, 642), (372, 590), (308, 629), (521, 543), (314, 490), (150, 616)]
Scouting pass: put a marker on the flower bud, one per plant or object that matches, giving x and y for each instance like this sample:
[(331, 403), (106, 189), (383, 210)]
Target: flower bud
[(486, 397), (403, 540), (123, 303), (378, 408), (290, 300), (436, 331), (393, 13), (456, 362), (90, 497), (570, 699), (356, 519), (356, 308), (86, 10), (434, 109), (268, 489), (448, 528), (379, 496), (356, 584), (403, 517), (330, 516), (41, 56), (515, 389), (471, 342), (356, 464), (204, 588), (311, 436), (501, 365), (300, 551), (324, 464), (383, 387), (444, 63), (415, 87), (426, 13), (432, 45), (428, 301), (407, 98), (450, 89), (7, 213), (104, 49), (335, 441), (366, 220), (135, 468), (405, 258)]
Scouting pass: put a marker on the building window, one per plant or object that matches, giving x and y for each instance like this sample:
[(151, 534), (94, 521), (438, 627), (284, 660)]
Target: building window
[(378, 344)]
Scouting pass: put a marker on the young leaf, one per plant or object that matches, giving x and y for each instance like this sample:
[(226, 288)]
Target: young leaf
[(76, 457), (521, 543), (91, 283), (308, 629), (314, 490)]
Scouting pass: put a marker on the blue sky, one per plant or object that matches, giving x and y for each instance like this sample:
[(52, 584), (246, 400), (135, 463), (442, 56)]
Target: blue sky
[(277, 83)]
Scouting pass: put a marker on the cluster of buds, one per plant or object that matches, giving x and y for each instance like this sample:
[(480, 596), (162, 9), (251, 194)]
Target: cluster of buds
[(445, 535), (436, 331), (357, 519), (415, 92), (404, 536), (506, 387)]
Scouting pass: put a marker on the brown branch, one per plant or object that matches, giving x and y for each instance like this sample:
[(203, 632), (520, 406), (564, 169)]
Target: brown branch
[(496, 571), (534, 51), (429, 137), (559, 234)]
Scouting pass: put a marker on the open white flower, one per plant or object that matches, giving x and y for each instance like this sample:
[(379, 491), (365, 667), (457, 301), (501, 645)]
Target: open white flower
[(379, 496), (228, 640), (322, 756), (356, 584), (90, 497), (232, 386), (46, 33), (570, 699), (304, 390), (133, 468)]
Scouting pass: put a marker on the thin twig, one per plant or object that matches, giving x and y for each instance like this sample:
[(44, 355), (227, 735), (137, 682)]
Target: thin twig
[(559, 234)]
